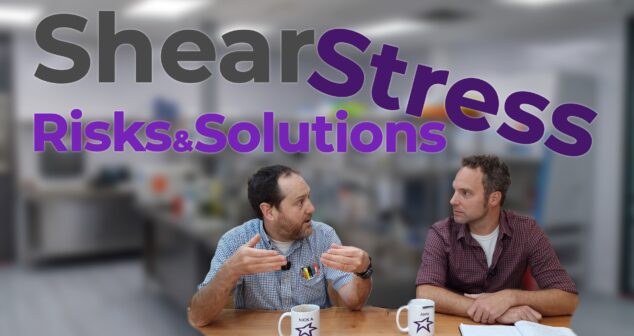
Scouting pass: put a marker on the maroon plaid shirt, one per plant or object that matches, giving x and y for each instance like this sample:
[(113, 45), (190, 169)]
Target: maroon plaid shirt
[(452, 259)]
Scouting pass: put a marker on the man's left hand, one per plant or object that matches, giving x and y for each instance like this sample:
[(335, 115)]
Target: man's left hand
[(346, 258), (487, 307), (519, 313)]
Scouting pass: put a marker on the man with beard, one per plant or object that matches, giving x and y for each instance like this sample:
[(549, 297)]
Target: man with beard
[(474, 261), (282, 258)]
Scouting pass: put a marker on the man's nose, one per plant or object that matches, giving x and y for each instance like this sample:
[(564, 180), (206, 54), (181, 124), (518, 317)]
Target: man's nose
[(311, 207), (454, 200)]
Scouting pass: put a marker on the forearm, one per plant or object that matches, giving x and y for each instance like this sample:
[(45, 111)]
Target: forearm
[(447, 302), (209, 300), (355, 293), (549, 302)]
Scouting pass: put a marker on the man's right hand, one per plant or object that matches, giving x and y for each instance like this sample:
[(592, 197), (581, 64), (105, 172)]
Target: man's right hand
[(250, 260), (519, 313)]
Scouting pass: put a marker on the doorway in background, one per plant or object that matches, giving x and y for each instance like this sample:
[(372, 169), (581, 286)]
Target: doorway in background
[(7, 177), (627, 283)]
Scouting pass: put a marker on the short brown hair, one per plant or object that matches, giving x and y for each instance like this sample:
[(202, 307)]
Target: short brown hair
[(496, 176), (263, 187)]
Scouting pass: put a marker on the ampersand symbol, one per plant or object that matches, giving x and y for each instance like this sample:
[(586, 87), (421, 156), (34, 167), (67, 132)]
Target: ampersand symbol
[(182, 142)]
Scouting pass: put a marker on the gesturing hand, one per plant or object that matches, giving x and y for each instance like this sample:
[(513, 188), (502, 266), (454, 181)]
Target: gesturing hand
[(519, 313), (346, 258), (487, 307), (249, 260)]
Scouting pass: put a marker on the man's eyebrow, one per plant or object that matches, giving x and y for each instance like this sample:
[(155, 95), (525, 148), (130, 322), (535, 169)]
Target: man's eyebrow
[(303, 195), (463, 188)]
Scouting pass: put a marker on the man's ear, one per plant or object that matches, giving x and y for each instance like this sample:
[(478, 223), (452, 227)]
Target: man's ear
[(495, 198), (267, 211)]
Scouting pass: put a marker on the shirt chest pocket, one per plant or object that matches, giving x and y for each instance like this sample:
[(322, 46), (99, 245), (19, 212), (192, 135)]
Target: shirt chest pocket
[(314, 289)]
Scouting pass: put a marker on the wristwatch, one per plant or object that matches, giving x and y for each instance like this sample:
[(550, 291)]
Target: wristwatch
[(368, 272)]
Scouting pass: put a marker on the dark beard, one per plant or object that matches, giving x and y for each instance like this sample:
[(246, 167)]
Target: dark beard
[(296, 233)]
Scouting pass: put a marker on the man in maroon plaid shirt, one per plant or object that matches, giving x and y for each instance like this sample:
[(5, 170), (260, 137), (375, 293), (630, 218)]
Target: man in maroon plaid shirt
[(474, 261)]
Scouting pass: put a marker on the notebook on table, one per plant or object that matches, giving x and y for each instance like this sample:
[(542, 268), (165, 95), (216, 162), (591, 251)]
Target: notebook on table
[(521, 328)]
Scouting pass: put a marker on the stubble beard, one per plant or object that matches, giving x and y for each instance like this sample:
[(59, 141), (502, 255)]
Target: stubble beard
[(295, 231)]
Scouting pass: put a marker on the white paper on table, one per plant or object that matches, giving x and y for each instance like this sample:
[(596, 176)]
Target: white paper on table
[(488, 330), (528, 328), (521, 328)]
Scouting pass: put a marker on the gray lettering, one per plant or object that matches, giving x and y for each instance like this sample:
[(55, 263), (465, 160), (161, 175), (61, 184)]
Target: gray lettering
[(79, 56), (170, 56), (259, 56), (109, 41), (291, 45)]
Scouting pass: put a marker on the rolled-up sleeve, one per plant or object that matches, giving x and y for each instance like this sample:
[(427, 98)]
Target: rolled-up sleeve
[(225, 249), (545, 265), (433, 266), (338, 278)]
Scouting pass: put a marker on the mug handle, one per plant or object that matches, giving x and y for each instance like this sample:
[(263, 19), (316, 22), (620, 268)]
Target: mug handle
[(398, 321), (279, 323)]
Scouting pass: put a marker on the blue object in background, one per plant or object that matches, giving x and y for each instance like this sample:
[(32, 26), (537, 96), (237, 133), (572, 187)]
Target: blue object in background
[(164, 109)]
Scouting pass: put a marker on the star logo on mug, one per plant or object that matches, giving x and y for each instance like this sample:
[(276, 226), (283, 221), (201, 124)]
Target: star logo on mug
[(422, 324), (306, 330)]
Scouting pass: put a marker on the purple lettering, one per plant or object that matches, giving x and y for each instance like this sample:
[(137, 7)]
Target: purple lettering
[(342, 131), (328, 53), (562, 124), (513, 109), (76, 131), (124, 134), (320, 127), (157, 130), (303, 143), (456, 100), (392, 130), (103, 139), (386, 64), (269, 136), (428, 132), (40, 136), (220, 141), (357, 132), (424, 79), (234, 137)]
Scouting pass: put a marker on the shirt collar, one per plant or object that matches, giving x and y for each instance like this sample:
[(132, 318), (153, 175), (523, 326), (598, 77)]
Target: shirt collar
[(505, 228), (265, 238)]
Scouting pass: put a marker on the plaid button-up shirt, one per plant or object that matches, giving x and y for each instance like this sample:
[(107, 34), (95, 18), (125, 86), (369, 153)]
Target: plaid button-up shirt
[(281, 290), (453, 259)]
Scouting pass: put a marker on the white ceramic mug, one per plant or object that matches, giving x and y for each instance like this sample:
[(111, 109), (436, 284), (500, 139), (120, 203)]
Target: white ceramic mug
[(420, 317), (304, 320)]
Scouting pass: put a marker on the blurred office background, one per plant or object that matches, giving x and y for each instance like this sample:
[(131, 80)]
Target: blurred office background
[(115, 243)]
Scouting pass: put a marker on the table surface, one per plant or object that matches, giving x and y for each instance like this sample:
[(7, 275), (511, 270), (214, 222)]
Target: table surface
[(339, 321)]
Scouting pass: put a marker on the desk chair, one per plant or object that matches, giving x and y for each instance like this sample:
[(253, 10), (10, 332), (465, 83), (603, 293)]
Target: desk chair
[(528, 282)]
